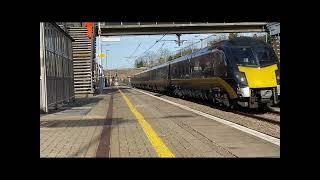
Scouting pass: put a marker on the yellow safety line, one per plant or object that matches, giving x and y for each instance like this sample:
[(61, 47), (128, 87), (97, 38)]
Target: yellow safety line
[(155, 140)]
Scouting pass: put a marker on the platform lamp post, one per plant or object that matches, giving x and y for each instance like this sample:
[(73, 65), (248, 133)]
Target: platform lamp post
[(100, 62), (106, 77), (109, 39), (106, 57)]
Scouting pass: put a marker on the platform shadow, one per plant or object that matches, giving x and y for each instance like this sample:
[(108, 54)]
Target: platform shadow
[(82, 123)]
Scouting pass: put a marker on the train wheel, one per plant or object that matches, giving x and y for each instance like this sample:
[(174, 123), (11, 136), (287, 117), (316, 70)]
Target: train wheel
[(175, 92), (231, 105), (168, 91), (204, 96), (190, 93), (263, 107)]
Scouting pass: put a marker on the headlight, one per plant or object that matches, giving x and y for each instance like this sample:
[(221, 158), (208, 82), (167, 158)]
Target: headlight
[(278, 76), (241, 77)]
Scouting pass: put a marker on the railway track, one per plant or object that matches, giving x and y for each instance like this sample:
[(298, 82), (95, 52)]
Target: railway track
[(272, 111), (262, 116), (259, 115)]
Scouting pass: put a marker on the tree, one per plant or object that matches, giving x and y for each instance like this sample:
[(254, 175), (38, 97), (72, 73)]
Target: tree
[(233, 35), (262, 37), (182, 53), (220, 37), (150, 58), (164, 53), (139, 63)]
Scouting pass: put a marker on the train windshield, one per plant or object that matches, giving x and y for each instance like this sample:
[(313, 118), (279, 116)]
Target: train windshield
[(265, 55), (253, 56)]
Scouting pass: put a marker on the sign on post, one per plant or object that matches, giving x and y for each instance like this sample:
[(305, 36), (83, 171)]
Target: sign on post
[(110, 39), (102, 55), (274, 28)]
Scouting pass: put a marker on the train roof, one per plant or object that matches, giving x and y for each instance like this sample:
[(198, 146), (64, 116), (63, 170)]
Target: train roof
[(155, 67), (244, 41)]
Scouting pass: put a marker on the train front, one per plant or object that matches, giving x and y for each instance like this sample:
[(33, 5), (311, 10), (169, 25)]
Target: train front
[(257, 73)]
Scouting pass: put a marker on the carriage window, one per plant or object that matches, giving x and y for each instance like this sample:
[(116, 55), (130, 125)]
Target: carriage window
[(187, 69), (180, 65), (206, 65), (175, 70), (196, 68)]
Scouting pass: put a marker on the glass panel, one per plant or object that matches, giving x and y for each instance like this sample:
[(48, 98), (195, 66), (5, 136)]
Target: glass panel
[(244, 55)]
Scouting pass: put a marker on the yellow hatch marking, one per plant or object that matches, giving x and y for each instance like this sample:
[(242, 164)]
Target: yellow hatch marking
[(155, 140), (260, 77)]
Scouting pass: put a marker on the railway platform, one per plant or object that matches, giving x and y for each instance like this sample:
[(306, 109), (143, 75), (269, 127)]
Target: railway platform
[(126, 122)]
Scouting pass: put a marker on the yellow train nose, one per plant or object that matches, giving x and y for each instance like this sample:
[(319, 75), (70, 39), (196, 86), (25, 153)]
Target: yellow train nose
[(260, 77)]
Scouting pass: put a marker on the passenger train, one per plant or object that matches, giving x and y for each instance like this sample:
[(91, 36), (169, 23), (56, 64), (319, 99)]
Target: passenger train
[(243, 71)]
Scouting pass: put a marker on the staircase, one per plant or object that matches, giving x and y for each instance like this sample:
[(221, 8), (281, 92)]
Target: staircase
[(82, 60)]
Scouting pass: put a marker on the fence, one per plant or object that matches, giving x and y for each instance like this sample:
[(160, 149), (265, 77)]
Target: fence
[(205, 42), (192, 47), (197, 45), (56, 67)]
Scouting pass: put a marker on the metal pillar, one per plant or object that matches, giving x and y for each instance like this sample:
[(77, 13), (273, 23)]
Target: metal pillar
[(179, 42), (266, 37), (43, 82), (100, 63)]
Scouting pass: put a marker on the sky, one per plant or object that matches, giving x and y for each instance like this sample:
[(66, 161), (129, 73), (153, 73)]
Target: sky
[(128, 46)]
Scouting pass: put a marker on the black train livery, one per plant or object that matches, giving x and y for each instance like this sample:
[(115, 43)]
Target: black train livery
[(243, 71)]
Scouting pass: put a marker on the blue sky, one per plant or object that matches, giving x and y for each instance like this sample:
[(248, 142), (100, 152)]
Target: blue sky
[(118, 51)]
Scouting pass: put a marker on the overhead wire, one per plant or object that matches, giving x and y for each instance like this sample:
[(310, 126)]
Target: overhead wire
[(153, 44), (135, 50), (133, 54)]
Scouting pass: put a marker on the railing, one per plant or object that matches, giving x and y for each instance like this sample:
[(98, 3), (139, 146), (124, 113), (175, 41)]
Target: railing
[(56, 71), (192, 46), (139, 23)]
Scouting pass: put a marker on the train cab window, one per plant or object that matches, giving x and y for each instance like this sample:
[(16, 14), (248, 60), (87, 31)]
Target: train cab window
[(244, 56), (265, 55)]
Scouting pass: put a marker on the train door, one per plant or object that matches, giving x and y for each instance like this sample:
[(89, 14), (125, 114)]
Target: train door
[(205, 63), (188, 69), (219, 64), (169, 74), (220, 70)]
